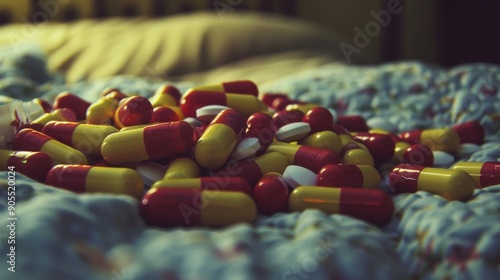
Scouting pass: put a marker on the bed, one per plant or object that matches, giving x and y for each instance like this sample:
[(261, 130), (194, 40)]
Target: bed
[(63, 235)]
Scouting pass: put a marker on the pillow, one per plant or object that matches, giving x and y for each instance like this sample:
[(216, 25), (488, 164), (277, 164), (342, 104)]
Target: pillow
[(171, 46)]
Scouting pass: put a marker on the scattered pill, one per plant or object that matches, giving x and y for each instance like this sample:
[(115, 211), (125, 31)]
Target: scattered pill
[(293, 132), (73, 102), (439, 139), (208, 113), (319, 118), (271, 194), (353, 123), (348, 175), (418, 154), (466, 150), (194, 99), (295, 176), (163, 114), (35, 165), (133, 111), (63, 114), (150, 172), (166, 95), (182, 167), (284, 117), (353, 153), (442, 159), (246, 148), (242, 86), (327, 140), (470, 132), (208, 183), (380, 146), (484, 174)]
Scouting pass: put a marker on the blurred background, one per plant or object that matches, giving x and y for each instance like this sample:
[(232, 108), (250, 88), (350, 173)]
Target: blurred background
[(443, 32)]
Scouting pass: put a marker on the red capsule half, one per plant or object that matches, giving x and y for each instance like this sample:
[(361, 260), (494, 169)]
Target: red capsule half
[(72, 102), (353, 123), (319, 118), (271, 194), (132, 111), (380, 146), (470, 132)]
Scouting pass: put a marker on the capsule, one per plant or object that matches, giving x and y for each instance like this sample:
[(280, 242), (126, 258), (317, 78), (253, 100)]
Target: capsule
[(271, 194), (348, 175), (166, 95), (301, 106), (309, 157), (353, 123), (63, 114), (470, 132), (373, 206), (103, 110), (484, 174), (269, 98), (219, 139), (73, 102), (260, 126), (151, 142), (380, 146), (91, 179), (181, 168), (31, 140), (418, 154), (439, 139), (87, 138), (168, 207), (164, 114), (450, 184), (354, 153), (46, 107), (252, 170), (326, 140), (283, 117), (35, 165), (242, 86), (208, 183), (320, 119), (196, 99), (132, 111)]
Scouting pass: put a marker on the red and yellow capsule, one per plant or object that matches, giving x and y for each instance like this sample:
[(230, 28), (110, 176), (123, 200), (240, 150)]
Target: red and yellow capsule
[(240, 86), (284, 117), (246, 104), (484, 174), (353, 153), (268, 99), (62, 114), (309, 157), (103, 110), (35, 165), (260, 126), (418, 154), (166, 95), (87, 138), (439, 139), (252, 170), (164, 114), (168, 207), (151, 142), (380, 146), (132, 111), (470, 132), (271, 194), (320, 119), (326, 140), (301, 106), (219, 139), (208, 183), (73, 102), (349, 175), (450, 184), (353, 123), (31, 140), (181, 168), (86, 178), (373, 206)]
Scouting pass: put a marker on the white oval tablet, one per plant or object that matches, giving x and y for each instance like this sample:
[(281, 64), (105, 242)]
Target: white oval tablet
[(295, 176), (207, 114), (246, 148), (442, 159), (150, 172), (293, 132), (466, 150), (193, 122)]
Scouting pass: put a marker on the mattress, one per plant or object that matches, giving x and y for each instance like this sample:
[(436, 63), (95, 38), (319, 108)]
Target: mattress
[(63, 235)]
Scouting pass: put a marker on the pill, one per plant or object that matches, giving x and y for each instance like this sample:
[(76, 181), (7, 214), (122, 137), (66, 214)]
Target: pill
[(166, 95), (103, 110), (484, 174), (327, 140), (219, 139), (63, 114), (284, 117), (46, 107), (319, 118), (293, 132), (450, 184), (150, 172), (87, 138), (35, 165), (91, 179), (442, 159), (439, 139), (380, 146), (353, 153), (470, 132), (246, 148), (295, 176), (348, 175), (208, 113), (133, 110), (466, 150), (373, 206), (114, 93), (165, 114), (418, 154), (168, 207), (182, 167), (280, 103), (268, 98), (301, 106), (271, 194), (195, 99), (151, 142), (353, 123), (31, 140), (260, 125), (241, 86), (73, 102), (194, 122), (208, 183), (309, 157), (253, 169)]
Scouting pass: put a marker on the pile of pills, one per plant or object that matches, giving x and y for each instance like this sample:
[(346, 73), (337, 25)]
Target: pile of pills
[(219, 154)]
